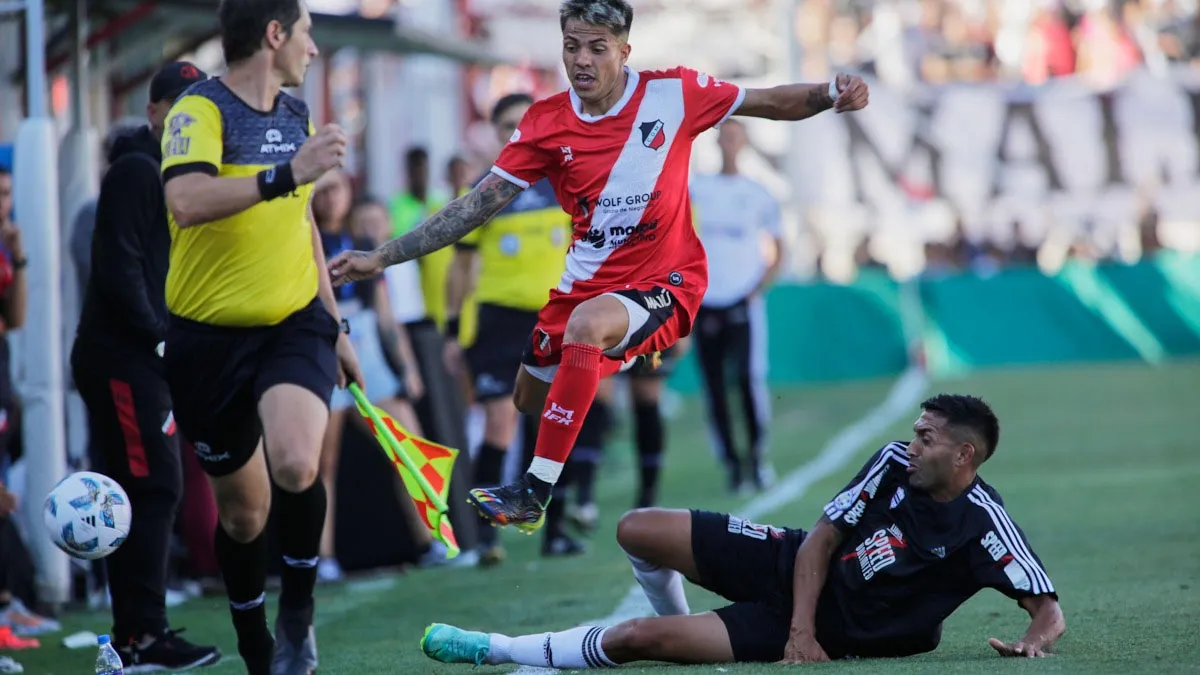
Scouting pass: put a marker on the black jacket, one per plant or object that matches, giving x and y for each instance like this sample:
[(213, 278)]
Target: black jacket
[(125, 303)]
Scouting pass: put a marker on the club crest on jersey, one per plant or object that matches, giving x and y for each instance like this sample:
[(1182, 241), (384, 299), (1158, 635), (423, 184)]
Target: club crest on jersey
[(653, 136)]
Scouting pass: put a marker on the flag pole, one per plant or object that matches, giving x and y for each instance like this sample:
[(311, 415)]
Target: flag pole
[(397, 448)]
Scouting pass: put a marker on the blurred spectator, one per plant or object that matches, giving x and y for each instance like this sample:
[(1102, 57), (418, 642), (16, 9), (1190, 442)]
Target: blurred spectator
[(16, 569), (1049, 51), (960, 40), (374, 332), (85, 219), (458, 176), (409, 209), (1178, 33), (1105, 49)]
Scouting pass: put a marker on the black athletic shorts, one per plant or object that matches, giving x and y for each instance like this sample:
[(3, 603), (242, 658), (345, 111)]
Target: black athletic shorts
[(217, 374), (501, 336), (750, 565)]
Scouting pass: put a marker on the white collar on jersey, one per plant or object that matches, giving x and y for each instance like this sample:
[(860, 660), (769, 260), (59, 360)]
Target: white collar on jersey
[(630, 86)]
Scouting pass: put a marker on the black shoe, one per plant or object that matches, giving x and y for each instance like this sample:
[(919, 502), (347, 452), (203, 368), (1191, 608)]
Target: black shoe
[(514, 504), (295, 643), (562, 545), (168, 652), (646, 499), (734, 477)]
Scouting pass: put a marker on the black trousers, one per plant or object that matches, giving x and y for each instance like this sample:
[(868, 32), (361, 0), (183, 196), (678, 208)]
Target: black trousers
[(731, 346), (128, 405)]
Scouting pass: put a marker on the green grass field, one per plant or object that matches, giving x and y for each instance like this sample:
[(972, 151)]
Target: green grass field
[(1096, 463)]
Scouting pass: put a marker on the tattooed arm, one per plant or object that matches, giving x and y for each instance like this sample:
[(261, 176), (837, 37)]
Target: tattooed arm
[(453, 222), (793, 102), (445, 227)]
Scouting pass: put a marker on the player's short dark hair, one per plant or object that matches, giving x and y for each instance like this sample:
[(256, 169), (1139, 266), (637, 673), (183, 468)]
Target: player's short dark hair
[(5, 171), (244, 24), (416, 154), (509, 101), (969, 413), (364, 199), (615, 15)]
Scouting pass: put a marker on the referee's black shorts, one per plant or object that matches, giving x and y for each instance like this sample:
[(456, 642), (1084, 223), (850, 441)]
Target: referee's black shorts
[(501, 336), (752, 566), (217, 374)]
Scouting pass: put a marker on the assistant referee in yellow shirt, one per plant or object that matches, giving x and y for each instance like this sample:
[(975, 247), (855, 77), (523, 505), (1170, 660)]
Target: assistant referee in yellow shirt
[(254, 348)]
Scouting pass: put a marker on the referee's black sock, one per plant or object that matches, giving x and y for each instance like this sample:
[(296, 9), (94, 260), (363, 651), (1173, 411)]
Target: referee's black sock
[(649, 424), (489, 467), (244, 567), (301, 519)]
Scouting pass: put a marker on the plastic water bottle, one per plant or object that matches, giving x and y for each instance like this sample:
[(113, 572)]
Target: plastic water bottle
[(108, 662)]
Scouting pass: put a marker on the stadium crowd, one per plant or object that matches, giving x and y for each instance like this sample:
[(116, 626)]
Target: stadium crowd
[(906, 42)]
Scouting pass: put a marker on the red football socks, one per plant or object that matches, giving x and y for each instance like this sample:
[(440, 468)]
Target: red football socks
[(571, 395)]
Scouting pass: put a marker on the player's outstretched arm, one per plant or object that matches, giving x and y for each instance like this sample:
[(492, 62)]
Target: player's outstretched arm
[(792, 102), (1046, 626), (812, 568), (445, 227)]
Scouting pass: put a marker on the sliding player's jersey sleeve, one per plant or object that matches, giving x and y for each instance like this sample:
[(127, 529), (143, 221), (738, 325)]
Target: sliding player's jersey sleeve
[(523, 161), (1001, 558), (707, 101), (849, 505)]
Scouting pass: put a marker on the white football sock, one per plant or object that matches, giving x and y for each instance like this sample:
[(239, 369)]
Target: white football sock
[(575, 648), (663, 587)]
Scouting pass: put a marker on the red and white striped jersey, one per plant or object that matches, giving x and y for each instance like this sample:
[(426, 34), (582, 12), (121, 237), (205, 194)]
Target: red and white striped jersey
[(623, 178)]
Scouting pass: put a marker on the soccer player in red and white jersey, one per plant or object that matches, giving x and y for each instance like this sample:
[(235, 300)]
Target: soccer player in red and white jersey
[(616, 148)]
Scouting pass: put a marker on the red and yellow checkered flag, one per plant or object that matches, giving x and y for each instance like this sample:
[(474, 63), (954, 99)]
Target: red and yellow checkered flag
[(424, 466)]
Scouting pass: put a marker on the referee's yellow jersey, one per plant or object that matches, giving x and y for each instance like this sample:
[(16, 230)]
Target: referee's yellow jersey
[(254, 268)]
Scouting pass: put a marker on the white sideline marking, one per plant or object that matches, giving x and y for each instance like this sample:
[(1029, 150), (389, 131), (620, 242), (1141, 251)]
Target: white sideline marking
[(904, 395)]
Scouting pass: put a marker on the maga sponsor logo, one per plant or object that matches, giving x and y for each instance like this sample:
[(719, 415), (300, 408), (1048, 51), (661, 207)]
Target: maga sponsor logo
[(621, 235)]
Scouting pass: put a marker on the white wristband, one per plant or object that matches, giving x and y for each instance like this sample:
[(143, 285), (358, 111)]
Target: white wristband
[(833, 90)]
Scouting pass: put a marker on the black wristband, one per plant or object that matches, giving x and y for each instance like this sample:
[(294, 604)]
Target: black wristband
[(276, 181), (19, 263), (452, 327)]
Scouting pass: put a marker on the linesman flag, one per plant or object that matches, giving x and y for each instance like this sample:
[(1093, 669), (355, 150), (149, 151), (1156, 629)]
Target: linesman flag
[(424, 466)]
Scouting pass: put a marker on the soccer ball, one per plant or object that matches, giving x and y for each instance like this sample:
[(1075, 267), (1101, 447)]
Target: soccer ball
[(87, 515)]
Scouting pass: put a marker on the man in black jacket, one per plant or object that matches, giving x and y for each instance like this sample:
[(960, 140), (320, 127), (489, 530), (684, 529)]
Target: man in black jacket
[(119, 374)]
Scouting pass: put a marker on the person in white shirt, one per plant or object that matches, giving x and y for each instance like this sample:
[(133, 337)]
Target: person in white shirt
[(739, 223)]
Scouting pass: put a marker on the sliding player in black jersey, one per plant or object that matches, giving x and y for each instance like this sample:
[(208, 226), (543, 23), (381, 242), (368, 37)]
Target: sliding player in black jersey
[(914, 535)]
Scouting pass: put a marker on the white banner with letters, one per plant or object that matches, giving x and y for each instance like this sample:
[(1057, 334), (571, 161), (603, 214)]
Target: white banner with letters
[(1003, 164)]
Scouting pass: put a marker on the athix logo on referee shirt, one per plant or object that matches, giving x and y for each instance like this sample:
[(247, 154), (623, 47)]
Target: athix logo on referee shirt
[(275, 143)]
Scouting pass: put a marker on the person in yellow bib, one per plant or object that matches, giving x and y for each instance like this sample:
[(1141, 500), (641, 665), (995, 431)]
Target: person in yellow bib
[(509, 265), (254, 348), (408, 210)]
